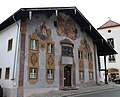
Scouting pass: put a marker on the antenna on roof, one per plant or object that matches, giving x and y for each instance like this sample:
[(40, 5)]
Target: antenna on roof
[(109, 18)]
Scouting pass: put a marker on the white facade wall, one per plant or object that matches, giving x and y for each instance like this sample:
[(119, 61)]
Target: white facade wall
[(115, 33), (7, 57)]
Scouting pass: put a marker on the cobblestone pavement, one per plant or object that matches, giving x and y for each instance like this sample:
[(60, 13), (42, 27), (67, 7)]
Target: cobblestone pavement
[(61, 93)]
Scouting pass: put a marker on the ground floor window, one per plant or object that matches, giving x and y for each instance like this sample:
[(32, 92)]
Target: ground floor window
[(50, 74), (81, 75), (33, 73), (7, 73), (91, 75)]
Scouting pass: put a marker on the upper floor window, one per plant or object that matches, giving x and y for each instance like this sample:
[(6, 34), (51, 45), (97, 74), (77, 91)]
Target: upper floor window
[(80, 54), (10, 43), (111, 58), (50, 48), (109, 31), (111, 42), (90, 56), (34, 44), (67, 51), (7, 73)]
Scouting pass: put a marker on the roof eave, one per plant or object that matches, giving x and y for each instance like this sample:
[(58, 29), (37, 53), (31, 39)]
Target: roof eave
[(23, 13)]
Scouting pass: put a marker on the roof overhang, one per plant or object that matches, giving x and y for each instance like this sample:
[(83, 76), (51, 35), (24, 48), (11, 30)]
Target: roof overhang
[(102, 47)]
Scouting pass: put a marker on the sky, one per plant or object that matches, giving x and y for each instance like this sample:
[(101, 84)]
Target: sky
[(95, 11)]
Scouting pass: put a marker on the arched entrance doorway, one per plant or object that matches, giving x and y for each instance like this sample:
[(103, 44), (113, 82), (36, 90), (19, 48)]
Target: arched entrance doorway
[(67, 76)]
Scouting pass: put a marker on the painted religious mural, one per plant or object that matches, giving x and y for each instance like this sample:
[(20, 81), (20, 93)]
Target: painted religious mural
[(66, 26), (41, 40)]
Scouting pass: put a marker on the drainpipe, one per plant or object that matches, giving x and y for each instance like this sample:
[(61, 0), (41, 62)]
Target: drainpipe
[(16, 46), (105, 70)]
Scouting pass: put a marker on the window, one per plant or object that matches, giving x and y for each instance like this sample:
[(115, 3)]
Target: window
[(111, 41), (0, 72), (81, 75), (10, 42), (80, 54), (109, 31), (111, 58), (34, 44), (50, 74), (90, 56), (50, 48), (67, 51), (7, 72), (91, 75), (33, 73)]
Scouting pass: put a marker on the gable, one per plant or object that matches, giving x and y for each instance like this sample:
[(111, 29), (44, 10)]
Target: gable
[(109, 24)]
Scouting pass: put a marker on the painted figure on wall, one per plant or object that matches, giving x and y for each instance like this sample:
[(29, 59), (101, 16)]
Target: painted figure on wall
[(43, 32), (66, 26)]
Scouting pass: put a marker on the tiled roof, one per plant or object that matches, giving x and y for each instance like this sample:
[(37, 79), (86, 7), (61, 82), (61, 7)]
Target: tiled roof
[(109, 24)]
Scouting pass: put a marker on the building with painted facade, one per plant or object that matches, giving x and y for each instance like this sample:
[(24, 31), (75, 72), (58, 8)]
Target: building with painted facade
[(110, 31), (44, 49)]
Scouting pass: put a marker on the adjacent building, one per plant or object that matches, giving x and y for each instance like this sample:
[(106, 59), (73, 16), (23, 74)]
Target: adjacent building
[(44, 49), (110, 31)]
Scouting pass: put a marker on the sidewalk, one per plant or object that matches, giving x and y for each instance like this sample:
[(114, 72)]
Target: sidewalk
[(62, 93)]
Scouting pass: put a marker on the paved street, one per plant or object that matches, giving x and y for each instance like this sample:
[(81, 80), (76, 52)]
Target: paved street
[(104, 90), (107, 93)]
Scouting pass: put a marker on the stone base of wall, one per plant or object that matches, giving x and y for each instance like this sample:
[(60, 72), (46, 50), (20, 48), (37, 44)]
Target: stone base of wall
[(7, 92), (29, 92)]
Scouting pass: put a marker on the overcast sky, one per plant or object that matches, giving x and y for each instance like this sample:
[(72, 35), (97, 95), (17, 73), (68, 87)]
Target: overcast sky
[(96, 11)]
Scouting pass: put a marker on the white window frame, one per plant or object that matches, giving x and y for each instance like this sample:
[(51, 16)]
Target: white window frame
[(90, 56), (81, 74), (33, 73), (34, 44), (50, 48), (110, 58), (80, 54), (50, 74), (91, 75)]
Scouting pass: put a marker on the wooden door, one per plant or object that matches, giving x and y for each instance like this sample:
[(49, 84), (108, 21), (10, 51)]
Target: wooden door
[(67, 76)]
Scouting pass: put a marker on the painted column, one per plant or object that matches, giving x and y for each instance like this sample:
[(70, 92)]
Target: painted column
[(22, 60)]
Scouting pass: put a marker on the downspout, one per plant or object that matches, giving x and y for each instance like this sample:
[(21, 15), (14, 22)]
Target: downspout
[(95, 65), (16, 46)]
